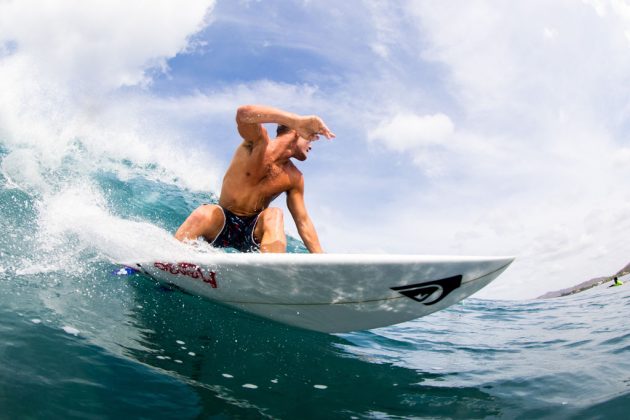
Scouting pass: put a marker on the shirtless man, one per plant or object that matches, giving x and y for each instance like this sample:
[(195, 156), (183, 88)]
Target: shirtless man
[(260, 171)]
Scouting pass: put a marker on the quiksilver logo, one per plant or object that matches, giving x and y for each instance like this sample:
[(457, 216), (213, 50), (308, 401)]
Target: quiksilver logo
[(430, 292)]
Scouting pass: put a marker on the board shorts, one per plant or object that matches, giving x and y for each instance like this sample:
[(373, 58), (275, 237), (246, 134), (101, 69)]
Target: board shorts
[(237, 232)]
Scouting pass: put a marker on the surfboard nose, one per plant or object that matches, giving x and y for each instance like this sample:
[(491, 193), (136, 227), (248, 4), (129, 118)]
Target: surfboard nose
[(502, 263), (506, 260)]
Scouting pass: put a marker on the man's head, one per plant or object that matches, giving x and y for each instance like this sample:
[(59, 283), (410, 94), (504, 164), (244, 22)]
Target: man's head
[(282, 129), (299, 145)]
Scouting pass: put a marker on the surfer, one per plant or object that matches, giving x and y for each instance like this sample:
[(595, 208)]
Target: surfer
[(260, 171), (617, 282)]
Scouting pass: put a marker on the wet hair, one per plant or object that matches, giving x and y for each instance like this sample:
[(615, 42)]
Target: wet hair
[(282, 129)]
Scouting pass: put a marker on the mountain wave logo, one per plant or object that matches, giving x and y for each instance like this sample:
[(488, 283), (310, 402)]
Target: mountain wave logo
[(430, 292)]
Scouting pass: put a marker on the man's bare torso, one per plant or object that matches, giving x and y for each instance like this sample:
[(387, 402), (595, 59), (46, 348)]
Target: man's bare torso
[(255, 178), (261, 169)]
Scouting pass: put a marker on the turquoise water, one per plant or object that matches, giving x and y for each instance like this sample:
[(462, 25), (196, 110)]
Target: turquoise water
[(79, 342)]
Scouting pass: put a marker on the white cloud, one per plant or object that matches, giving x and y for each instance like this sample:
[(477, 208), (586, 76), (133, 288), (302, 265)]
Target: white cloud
[(380, 49), (409, 132), (416, 135), (550, 33), (502, 65), (98, 44), (598, 5)]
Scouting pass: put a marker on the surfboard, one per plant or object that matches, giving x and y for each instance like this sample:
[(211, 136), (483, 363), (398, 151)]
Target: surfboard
[(331, 293)]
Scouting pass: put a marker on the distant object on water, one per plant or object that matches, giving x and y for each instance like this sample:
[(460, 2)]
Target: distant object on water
[(616, 282), (589, 284)]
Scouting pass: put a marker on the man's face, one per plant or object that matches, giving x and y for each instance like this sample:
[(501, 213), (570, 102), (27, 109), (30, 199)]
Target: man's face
[(303, 146)]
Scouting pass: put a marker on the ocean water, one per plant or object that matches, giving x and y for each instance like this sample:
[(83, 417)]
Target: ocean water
[(77, 341)]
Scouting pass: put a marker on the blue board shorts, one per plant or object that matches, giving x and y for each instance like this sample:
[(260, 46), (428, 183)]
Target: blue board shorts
[(237, 232)]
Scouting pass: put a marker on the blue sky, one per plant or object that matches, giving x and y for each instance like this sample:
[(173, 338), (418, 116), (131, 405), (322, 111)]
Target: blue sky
[(464, 128)]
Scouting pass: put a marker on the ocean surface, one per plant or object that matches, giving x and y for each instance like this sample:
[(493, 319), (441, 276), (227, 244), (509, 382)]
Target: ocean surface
[(77, 341)]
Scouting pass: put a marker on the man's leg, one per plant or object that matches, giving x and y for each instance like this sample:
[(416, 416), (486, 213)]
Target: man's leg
[(270, 231), (206, 221)]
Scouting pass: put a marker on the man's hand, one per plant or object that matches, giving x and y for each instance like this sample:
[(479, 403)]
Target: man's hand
[(310, 127)]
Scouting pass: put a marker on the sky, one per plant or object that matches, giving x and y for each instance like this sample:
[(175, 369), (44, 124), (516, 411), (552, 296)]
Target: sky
[(463, 128)]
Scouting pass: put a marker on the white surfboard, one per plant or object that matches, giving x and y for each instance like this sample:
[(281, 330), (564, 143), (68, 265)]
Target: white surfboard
[(330, 293)]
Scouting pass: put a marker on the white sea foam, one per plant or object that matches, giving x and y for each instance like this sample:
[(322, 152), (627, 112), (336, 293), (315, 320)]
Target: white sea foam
[(28, 267), (70, 330), (78, 218)]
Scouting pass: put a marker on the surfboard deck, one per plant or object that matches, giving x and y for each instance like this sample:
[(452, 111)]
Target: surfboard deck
[(330, 293)]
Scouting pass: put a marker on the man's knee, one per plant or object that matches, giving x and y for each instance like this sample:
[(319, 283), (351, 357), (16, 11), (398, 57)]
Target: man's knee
[(271, 224), (273, 238), (203, 221), (208, 212), (202, 216), (273, 218)]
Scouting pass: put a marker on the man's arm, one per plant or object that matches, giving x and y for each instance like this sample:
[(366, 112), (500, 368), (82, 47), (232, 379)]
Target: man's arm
[(250, 117), (295, 203)]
